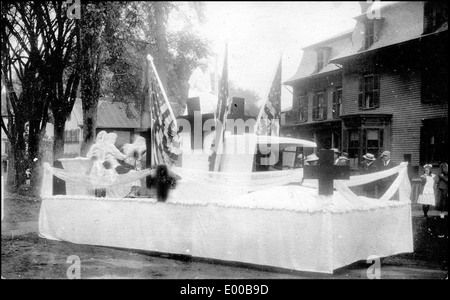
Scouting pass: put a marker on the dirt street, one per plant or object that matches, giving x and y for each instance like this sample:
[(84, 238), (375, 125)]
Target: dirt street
[(27, 256)]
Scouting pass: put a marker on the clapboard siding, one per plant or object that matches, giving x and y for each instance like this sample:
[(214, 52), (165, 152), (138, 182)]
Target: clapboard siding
[(400, 95)]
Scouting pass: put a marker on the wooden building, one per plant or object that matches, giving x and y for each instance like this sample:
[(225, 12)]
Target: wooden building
[(389, 85), (111, 116)]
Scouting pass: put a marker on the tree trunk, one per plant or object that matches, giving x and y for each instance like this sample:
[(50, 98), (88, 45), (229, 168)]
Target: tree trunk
[(89, 123), (58, 142), (34, 151), (161, 54), (19, 154)]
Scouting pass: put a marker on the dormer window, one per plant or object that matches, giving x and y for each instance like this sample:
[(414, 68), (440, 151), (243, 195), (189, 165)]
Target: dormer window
[(435, 15), (323, 54), (369, 34), (372, 31)]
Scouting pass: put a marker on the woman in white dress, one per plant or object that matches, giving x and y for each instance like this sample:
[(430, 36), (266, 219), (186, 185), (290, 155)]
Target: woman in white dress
[(97, 152), (426, 192), (112, 157)]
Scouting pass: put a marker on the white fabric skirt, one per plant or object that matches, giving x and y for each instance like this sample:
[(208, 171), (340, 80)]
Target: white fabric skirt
[(427, 197)]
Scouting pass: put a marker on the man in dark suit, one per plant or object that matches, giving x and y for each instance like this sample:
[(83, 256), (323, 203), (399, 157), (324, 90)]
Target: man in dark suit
[(368, 165), (385, 164)]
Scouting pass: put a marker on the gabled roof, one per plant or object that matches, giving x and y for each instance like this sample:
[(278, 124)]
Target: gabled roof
[(338, 44), (400, 22), (110, 115)]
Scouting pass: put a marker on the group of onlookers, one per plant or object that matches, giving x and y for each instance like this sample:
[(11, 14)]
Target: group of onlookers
[(433, 190)]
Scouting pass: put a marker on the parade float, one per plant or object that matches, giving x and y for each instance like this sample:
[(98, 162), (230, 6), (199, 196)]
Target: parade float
[(233, 213)]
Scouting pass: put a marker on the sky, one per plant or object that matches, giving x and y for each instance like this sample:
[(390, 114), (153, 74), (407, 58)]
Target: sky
[(257, 34)]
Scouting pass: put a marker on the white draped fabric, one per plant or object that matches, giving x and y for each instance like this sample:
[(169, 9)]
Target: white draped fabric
[(94, 181), (287, 226)]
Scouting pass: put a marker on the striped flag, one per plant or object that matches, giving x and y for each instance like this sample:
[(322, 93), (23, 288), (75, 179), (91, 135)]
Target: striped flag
[(268, 121), (222, 110), (222, 105), (165, 139)]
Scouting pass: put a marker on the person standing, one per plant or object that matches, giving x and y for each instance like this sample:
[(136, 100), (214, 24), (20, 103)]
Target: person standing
[(342, 160), (312, 160), (368, 166), (426, 190), (336, 154), (442, 189), (385, 164)]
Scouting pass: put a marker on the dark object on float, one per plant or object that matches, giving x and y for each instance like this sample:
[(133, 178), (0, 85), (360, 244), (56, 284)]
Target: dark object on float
[(164, 181), (59, 185)]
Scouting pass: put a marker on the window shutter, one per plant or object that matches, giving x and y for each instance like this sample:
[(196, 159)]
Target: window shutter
[(296, 103), (305, 108), (361, 92), (381, 136), (364, 141), (333, 104), (315, 107), (376, 91), (325, 104), (345, 139)]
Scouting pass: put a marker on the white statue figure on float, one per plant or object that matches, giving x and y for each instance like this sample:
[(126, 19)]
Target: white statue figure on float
[(135, 152), (200, 86)]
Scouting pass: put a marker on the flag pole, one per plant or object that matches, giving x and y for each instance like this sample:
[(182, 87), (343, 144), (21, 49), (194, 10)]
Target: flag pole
[(151, 152), (150, 58), (258, 119), (219, 146)]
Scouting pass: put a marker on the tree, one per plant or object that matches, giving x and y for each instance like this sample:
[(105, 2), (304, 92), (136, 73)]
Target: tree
[(61, 37), (100, 22), (175, 53), (38, 50), (185, 50)]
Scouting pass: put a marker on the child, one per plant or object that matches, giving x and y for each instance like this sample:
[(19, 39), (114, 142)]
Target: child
[(426, 193)]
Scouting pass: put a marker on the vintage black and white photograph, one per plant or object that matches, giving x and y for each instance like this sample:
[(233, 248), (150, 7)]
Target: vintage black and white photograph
[(224, 140)]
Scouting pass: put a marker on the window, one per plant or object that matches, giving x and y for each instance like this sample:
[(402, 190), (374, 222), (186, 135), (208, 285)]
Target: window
[(337, 102), (369, 92), (320, 106), (373, 139), (434, 15), (72, 136), (336, 140), (67, 136), (353, 143), (369, 34), (320, 60), (323, 54), (302, 108)]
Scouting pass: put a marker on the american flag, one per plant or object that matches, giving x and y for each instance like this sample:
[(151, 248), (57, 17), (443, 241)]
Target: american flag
[(222, 105), (165, 139), (269, 115), (222, 108)]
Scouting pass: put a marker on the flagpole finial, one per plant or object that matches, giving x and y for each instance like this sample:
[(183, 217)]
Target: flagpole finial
[(149, 57)]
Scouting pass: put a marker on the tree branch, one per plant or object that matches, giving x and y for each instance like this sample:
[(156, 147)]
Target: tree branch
[(8, 135)]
